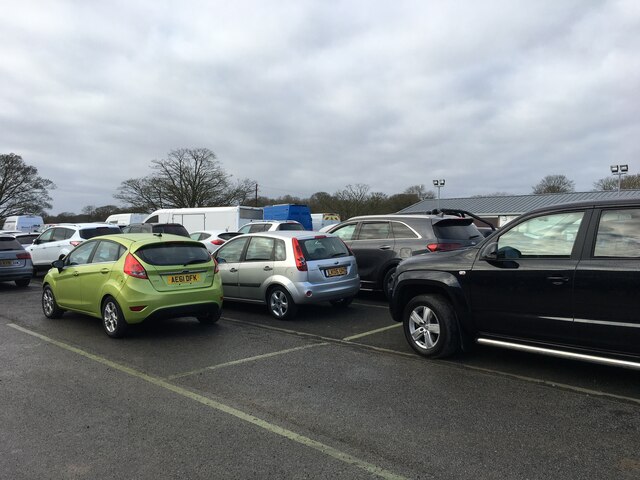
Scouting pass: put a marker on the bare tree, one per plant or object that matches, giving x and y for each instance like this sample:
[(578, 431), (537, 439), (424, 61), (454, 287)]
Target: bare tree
[(554, 184), (628, 182), (186, 178), (22, 190), (420, 191)]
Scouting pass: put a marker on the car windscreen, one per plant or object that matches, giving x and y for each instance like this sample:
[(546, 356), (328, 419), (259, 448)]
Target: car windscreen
[(9, 243), (459, 229), (173, 253), (321, 248), (291, 226), (172, 229), (88, 233)]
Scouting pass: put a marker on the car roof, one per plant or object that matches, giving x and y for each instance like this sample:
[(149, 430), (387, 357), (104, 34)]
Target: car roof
[(587, 204), (145, 238), (394, 216), (272, 221), (83, 225), (288, 234)]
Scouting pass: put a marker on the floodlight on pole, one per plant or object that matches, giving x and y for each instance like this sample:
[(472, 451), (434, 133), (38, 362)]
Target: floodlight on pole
[(619, 170), (438, 184)]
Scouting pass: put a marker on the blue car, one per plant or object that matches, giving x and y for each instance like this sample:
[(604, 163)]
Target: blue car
[(15, 262)]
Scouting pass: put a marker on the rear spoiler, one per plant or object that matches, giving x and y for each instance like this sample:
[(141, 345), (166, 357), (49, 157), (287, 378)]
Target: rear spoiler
[(459, 213)]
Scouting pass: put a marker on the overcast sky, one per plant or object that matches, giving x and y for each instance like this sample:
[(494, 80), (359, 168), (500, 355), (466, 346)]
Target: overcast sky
[(306, 96)]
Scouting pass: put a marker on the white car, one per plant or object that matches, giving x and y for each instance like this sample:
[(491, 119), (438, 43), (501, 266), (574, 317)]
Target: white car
[(270, 226), (213, 239), (62, 238)]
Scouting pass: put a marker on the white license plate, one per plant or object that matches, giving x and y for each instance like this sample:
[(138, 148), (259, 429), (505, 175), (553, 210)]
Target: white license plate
[(11, 263)]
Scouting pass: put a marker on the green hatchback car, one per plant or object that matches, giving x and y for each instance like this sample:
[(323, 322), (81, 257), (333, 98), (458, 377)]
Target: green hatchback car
[(129, 278)]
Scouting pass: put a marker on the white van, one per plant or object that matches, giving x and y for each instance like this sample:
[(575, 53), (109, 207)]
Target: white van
[(24, 223), (124, 219), (228, 219), (321, 220)]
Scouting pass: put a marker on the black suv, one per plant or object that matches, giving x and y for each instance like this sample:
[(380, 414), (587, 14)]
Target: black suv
[(172, 228), (561, 280), (381, 242)]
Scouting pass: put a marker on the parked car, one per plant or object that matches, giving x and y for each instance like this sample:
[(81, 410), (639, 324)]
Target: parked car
[(213, 239), (62, 238), (381, 242), (560, 281), (172, 228), (25, 238), (270, 226), (285, 269), (15, 262), (130, 278)]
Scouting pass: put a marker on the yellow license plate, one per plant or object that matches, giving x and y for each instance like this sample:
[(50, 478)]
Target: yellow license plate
[(336, 272), (9, 263), (183, 278)]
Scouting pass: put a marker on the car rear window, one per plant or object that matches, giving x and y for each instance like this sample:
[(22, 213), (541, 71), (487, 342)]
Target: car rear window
[(88, 233), (10, 243), (171, 229), (456, 229), (321, 248), (291, 226), (173, 253)]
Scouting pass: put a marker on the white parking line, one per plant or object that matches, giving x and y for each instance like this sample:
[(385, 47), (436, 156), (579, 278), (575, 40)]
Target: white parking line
[(270, 427), (366, 334), (244, 360)]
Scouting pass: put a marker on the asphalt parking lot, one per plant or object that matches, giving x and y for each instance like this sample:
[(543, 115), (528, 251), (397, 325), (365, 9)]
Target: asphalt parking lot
[(332, 394)]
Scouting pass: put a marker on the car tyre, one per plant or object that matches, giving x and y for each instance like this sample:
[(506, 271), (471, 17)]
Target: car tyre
[(342, 302), (49, 305), (281, 304), (387, 282), (113, 322), (210, 318), (23, 282), (431, 327)]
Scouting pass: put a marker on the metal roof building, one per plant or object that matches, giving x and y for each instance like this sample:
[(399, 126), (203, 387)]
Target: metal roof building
[(501, 209)]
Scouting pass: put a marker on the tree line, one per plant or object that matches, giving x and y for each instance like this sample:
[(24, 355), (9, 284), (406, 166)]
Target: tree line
[(194, 177)]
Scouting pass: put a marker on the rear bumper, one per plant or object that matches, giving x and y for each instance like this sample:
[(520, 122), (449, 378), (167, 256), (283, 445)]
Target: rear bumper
[(303, 292), (195, 310)]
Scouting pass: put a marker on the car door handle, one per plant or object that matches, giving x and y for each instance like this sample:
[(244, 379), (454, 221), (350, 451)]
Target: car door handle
[(267, 268), (558, 280), (385, 247), (233, 270), (104, 270)]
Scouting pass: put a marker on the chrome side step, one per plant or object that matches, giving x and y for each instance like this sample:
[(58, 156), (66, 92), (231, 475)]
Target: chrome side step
[(560, 353)]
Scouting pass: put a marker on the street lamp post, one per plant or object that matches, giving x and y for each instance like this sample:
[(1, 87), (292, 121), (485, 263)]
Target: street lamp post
[(438, 184), (619, 170)]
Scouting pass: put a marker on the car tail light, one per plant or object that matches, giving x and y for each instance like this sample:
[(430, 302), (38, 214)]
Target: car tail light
[(23, 256), (217, 241), (75, 243), (301, 263), (216, 269), (443, 247), (134, 268)]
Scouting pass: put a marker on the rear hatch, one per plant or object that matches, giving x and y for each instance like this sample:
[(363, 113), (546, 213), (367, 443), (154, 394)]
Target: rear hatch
[(328, 259), (176, 266), (12, 254), (454, 233)]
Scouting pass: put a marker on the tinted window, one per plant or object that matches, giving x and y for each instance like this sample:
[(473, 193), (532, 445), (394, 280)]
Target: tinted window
[(174, 229), (198, 236), (374, 231), (153, 219), (174, 253), (545, 236), (231, 251), (87, 233), (81, 254), (26, 239), (346, 232), (259, 228), (260, 249), (456, 229), (291, 226), (107, 252), (10, 243), (400, 230), (618, 234), (323, 248)]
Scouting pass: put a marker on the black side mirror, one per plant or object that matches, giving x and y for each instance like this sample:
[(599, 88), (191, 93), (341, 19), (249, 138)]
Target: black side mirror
[(489, 252), (59, 264)]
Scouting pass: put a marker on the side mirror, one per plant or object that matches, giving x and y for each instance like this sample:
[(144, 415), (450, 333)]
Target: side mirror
[(36, 241), (489, 252), (59, 264), (220, 260)]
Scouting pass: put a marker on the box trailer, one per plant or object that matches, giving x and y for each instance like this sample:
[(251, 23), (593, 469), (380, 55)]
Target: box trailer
[(289, 211), (229, 219)]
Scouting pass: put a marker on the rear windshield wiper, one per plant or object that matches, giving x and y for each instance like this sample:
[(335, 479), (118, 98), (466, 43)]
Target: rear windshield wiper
[(339, 255)]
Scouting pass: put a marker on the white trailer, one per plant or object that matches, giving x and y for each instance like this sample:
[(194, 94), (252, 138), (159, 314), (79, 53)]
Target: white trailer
[(320, 220), (124, 219), (229, 219)]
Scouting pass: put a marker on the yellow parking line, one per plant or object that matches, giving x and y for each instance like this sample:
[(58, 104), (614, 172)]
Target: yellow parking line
[(244, 360), (371, 332), (283, 432)]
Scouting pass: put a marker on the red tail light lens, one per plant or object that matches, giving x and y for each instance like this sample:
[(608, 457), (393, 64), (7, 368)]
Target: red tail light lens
[(348, 249), (443, 247), (301, 262), (23, 256), (75, 243), (217, 241), (215, 265), (134, 268)]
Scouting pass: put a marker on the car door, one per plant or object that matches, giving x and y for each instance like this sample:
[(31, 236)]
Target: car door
[(373, 249), (606, 285), (94, 274), (39, 248), (228, 257), (59, 240), (526, 290), (256, 267), (69, 282)]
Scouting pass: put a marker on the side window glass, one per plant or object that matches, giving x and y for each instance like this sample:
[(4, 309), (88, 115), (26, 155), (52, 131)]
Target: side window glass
[(280, 251), (259, 228), (59, 234), (618, 234), (260, 249), (231, 251), (80, 255), (107, 252), (545, 236), (46, 236), (374, 231), (347, 232), (400, 230)]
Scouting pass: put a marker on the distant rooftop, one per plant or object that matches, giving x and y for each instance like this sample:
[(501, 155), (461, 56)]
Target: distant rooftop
[(516, 204)]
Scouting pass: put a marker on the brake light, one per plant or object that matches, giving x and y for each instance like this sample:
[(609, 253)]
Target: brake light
[(443, 247), (134, 268), (301, 262), (217, 241), (75, 243), (215, 265), (23, 256)]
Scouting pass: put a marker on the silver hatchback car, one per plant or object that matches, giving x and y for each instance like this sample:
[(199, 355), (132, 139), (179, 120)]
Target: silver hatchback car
[(284, 269)]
